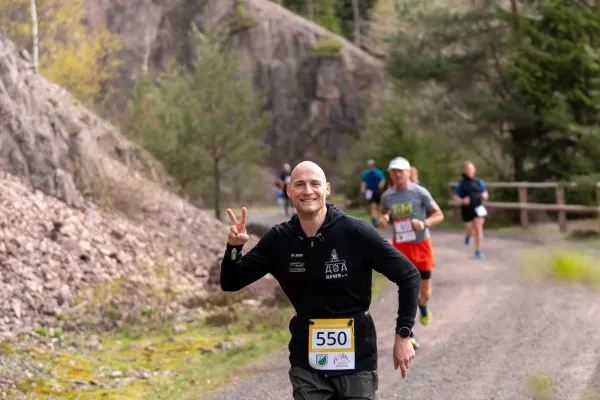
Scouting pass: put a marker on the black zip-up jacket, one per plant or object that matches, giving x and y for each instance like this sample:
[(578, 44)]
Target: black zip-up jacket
[(306, 270)]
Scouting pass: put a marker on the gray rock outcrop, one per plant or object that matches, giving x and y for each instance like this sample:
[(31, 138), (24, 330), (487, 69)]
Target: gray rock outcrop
[(55, 144), (68, 259), (316, 101)]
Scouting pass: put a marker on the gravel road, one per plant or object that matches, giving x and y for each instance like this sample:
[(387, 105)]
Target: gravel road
[(490, 328)]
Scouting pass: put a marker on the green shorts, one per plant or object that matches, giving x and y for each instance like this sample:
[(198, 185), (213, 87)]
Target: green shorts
[(308, 385)]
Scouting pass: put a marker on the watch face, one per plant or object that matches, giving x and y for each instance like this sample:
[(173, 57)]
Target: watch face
[(404, 332)]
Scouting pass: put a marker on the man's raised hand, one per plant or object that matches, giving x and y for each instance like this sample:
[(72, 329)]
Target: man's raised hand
[(237, 231)]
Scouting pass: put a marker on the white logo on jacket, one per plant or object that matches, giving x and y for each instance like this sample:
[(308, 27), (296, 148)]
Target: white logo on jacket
[(296, 265), (335, 268)]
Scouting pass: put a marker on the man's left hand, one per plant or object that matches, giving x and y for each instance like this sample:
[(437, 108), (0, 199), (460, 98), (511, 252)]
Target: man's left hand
[(403, 354), (417, 224)]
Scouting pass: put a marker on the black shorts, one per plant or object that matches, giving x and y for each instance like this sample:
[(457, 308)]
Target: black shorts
[(376, 198), (425, 275), (468, 214)]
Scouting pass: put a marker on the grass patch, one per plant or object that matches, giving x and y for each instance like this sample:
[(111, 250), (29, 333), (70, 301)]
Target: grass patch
[(141, 362), (136, 362), (542, 386), (568, 265), (379, 284)]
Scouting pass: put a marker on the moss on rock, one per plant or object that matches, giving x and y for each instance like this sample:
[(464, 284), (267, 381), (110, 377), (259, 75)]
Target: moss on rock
[(328, 47), (241, 19)]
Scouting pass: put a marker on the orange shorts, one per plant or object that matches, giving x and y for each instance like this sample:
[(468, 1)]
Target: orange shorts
[(420, 253)]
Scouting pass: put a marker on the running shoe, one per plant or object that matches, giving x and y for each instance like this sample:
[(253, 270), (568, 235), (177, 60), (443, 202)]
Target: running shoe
[(414, 342), (425, 315)]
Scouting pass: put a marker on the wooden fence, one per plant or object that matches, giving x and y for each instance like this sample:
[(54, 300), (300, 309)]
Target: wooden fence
[(560, 207)]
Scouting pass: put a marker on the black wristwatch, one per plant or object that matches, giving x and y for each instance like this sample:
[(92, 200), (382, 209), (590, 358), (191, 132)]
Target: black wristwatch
[(404, 332)]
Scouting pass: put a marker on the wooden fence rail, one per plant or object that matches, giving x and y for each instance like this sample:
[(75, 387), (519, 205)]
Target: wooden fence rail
[(560, 207)]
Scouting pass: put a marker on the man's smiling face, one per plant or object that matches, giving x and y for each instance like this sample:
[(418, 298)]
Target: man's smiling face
[(308, 188)]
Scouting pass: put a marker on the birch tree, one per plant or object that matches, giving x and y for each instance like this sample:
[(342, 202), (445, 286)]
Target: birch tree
[(34, 34), (64, 50)]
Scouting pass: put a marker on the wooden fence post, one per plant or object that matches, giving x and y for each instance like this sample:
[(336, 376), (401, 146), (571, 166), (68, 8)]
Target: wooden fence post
[(562, 214), (524, 214)]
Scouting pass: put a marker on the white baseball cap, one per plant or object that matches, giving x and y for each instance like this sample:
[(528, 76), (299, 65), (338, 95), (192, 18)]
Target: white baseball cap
[(399, 163)]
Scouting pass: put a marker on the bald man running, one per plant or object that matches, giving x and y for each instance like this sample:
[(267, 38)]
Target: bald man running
[(323, 260)]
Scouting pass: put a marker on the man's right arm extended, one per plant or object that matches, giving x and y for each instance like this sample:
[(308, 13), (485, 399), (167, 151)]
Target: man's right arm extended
[(397, 268), (238, 271)]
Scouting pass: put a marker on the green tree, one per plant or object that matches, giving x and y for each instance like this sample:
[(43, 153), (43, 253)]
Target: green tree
[(387, 136), (555, 68), (500, 80), (334, 15), (344, 11), (209, 121), (70, 55), (326, 17)]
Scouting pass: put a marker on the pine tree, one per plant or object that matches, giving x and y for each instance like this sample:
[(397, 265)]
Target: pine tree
[(555, 67), (503, 82), (210, 120)]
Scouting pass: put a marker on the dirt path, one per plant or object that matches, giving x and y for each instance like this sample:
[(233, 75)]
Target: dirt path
[(490, 328)]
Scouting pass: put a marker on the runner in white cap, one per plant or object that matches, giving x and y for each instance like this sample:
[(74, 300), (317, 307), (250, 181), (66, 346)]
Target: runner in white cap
[(406, 204)]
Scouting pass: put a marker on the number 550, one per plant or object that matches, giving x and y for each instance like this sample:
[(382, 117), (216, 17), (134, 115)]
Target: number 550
[(331, 338)]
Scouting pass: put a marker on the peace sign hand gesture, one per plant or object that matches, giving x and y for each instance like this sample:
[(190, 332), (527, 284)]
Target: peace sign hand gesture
[(237, 231)]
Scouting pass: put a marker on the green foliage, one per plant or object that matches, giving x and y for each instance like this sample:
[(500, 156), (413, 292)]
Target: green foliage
[(387, 137), (69, 55), (515, 89), (142, 122), (344, 11), (327, 47), (575, 264), (205, 125), (448, 59), (554, 67), (334, 15), (326, 17), (41, 331)]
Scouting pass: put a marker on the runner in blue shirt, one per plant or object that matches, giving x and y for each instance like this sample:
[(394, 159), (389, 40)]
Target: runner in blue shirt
[(372, 186)]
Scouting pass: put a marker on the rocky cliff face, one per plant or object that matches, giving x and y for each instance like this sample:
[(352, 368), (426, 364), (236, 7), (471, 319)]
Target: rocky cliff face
[(57, 145), (66, 261), (315, 100)]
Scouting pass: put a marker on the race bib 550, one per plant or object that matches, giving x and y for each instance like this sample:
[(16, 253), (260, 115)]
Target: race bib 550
[(331, 344)]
